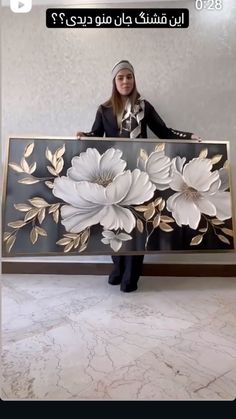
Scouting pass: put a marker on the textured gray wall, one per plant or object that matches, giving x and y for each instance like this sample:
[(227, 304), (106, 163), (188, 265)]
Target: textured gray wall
[(53, 80)]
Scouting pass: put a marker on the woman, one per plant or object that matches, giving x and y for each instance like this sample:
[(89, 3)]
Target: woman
[(126, 114)]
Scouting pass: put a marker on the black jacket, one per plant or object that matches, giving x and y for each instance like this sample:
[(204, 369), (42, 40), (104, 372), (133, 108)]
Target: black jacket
[(105, 123)]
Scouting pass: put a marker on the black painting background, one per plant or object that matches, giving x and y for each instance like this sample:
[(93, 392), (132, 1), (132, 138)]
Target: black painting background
[(178, 240)]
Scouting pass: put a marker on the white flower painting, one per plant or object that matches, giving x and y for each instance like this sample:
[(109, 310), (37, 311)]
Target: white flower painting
[(115, 240), (198, 191), (157, 165), (99, 191), (116, 200)]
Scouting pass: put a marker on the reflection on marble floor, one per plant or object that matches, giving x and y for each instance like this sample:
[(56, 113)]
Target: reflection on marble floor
[(76, 337)]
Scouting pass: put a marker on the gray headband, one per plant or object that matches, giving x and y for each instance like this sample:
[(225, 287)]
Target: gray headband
[(120, 66)]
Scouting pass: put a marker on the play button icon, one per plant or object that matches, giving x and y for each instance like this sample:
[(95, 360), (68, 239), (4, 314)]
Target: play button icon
[(23, 6)]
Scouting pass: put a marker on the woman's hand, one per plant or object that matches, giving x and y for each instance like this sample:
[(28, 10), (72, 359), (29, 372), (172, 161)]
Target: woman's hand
[(196, 137), (79, 135)]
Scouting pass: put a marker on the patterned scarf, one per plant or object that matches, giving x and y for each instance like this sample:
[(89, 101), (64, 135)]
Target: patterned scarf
[(131, 119)]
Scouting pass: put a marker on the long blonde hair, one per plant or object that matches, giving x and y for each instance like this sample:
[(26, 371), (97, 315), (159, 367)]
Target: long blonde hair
[(115, 101)]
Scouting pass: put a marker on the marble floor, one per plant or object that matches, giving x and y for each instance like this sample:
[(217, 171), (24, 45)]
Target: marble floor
[(78, 338)]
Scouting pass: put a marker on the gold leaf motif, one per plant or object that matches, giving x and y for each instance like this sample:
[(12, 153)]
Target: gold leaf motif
[(161, 206), (228, 232), (139, 225), (55, 216), (60, 151), (226, 164), (22, 207), (223, 238), (33, 235), (54, 160), (16, 167), (156, 221), (49, 184), (77, 242), (48, 154), (196, 240), (53, 208), (59, 165), (167, 219), (203, 230), (52, 171), (149, 213), (71, 235), (39, 202), (84, 236), (28, 150), (64, 241), (68, 247), (157, 201), (165, 227), (41, 231), (217, 222), (82, 248), (31, 214), (32, 168), (141, 208), (160, 147), (41, 215), (151, 205), (6, 235), (16, 224), (143, 154), (203, 154), (28, 180), (24, 165), (10, 242), (215, 159)]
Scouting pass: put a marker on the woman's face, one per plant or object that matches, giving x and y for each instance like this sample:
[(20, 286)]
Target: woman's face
[(124, 81)]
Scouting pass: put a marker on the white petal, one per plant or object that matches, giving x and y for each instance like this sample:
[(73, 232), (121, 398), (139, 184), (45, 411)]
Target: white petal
[(213, 188), (108, 234), (224, 178), (117, 190), (115, 244), (186, 212), (177, 183), (90, 194), (123, 236), (205, 206), (90, 164), (141, 164), (170, 203), (76, 221), (79, 194), (177, 163), (162, 187), (158, 168), (85, 166), (111, 162), (141, 189), (118, 217), (197, 174), (222, 202), (105, 241), (65, 189), (157, 162)]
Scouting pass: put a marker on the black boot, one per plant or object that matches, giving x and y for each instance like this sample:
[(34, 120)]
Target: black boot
[(132, 272), (116, 275)]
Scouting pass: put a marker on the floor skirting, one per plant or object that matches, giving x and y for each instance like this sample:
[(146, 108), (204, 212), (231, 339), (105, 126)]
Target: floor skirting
[(161, 269)]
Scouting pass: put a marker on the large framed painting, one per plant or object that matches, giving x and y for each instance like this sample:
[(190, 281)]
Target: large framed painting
[(116, 196)]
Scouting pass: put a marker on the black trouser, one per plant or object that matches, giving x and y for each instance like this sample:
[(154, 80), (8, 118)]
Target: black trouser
[(127, 269)]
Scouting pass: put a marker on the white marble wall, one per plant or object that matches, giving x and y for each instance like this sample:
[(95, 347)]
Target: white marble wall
[(53, 80)]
